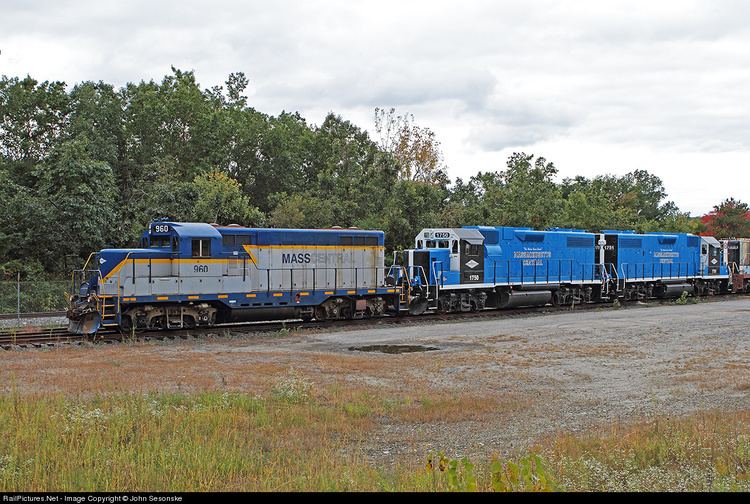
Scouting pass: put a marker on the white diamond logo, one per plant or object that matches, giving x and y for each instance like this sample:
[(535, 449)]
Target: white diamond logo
[(714, 261), (472, 264)]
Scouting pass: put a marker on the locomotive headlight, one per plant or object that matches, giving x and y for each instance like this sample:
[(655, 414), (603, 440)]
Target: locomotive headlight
[(602, 242)]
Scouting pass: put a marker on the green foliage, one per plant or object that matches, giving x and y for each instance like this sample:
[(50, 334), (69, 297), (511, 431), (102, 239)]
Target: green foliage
[(529, 474), (451, 474), (683, 299), (91, 166), (79, 196), (219, 198)]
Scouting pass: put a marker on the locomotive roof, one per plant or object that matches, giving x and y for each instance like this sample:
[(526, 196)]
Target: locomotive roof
[(204, 230), (472, 236), (194, 229)]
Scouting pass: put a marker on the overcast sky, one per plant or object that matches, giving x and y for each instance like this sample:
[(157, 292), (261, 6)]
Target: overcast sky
[(596, 87)]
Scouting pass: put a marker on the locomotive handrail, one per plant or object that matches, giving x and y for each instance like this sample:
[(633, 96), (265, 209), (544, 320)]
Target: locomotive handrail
[(566, 271), (88, 259), (640, 270)]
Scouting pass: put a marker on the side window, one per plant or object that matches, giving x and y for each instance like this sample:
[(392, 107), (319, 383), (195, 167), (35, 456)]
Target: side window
[(201, 248), (175, 244), (472, 250), (420, 244), (455, 247), (704, 249), (228, 240)]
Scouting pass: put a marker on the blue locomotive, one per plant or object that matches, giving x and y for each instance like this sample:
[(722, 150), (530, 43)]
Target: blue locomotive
[(477, 267), (186, 275)]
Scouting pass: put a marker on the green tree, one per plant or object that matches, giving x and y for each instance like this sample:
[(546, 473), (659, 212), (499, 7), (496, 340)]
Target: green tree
[(303, 210), (525, 194), (220, 199), (77, 210), (33, 117)]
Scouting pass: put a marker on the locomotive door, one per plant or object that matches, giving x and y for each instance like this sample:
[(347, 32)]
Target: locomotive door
[(472, 262), (455, 256), (732, 252), (714, 260), (608, 256)]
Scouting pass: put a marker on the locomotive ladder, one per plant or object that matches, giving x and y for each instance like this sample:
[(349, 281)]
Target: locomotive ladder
[(109, 307)]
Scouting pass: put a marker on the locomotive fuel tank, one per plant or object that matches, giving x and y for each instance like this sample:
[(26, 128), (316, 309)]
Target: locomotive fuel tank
[(515, 299)]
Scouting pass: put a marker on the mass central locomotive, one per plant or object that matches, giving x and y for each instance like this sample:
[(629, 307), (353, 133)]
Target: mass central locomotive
[(186, 275)]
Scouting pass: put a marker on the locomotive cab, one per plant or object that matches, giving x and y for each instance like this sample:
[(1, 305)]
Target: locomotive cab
[(443, 257)]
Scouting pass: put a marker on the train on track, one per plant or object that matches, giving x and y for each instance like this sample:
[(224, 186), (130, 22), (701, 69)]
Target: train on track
[(186, 275)]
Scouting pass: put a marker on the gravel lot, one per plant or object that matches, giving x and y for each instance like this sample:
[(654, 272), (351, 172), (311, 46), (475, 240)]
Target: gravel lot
[(566, 371), (34, 322)]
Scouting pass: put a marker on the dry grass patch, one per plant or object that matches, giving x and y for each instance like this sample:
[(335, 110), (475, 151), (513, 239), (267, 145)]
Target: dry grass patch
[(455, 408)]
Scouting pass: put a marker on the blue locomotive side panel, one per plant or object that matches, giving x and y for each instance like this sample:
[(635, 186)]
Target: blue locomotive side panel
[(657, 256), (484, 256), (520, 256)]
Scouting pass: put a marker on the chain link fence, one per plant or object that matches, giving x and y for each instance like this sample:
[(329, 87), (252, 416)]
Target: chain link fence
[(26, 297)]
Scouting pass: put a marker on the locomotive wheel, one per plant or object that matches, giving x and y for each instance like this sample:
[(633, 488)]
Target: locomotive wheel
[(320, 314), (127, 323)]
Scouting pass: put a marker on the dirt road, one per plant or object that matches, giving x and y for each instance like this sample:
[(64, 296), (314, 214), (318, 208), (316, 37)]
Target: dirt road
[(504, 382)]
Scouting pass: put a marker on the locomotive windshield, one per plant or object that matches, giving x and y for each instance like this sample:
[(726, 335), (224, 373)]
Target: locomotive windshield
[(159, 241), (437, 244)]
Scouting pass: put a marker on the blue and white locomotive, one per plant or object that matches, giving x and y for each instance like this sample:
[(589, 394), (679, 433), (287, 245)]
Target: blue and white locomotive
[(477, 267), (186, 275)]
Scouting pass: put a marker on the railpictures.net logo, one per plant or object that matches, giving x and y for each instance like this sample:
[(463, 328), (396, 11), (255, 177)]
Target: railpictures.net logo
[(96, 499)]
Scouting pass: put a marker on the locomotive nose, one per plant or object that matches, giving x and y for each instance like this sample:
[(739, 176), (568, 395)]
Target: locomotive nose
[(84, 324)]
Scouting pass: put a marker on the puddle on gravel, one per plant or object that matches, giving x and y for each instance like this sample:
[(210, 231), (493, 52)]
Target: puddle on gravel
[(393, 349)]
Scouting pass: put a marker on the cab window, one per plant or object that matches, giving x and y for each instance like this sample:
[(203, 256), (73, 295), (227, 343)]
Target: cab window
[(472, 250), (160, 241), (202, 248)]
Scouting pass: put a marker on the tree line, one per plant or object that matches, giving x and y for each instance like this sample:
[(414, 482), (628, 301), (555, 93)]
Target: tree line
[(90, 165)]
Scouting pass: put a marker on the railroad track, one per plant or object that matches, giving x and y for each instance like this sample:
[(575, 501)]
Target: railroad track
[(10, 339)]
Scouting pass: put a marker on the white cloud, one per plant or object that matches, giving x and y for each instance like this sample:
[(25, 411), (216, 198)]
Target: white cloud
[(595, 87)]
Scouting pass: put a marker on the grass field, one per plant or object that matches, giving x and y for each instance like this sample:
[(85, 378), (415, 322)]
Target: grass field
[(297, 438)]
